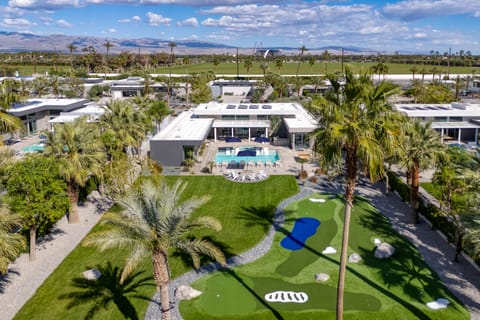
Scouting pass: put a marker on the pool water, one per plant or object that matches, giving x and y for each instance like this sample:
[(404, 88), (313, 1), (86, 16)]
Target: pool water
[(38, 147), (246, 153)]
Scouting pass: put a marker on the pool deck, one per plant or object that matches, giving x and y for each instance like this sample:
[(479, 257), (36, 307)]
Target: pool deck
[(288, 160)]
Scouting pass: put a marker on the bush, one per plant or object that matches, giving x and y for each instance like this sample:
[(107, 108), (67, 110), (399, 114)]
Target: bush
[(205, 170), (398, 185), (313, 179), (303, 175)]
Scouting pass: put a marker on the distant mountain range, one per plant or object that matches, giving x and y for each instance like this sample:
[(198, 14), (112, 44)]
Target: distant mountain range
[(19, 42)]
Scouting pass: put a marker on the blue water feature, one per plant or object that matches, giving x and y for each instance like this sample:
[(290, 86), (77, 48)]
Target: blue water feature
[(303, 229)]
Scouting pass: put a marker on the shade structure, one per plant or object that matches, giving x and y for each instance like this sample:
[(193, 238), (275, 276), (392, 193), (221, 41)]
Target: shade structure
[(232, 139)]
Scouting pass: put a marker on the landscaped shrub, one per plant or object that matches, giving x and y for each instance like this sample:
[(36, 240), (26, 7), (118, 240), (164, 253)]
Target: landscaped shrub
[(314, 179), (398, 185)]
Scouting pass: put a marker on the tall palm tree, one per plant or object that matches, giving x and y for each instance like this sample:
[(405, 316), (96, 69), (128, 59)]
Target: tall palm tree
[(247, 64), (80, 153), (107, 46), (71, 47), (154, 222), (300, 58), (421, 148), (11, 244), (350, 120)]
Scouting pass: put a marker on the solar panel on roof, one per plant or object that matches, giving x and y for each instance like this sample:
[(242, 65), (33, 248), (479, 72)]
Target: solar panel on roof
[(242, 106), (253, 106), (266, 106), (231, 106)]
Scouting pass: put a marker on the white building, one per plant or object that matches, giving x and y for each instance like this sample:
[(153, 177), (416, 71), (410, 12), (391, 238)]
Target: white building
[(222, 121), (456, 122)]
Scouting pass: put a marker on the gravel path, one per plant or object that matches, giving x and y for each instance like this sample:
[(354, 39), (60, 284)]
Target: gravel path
[(25, 277), (461, 278)]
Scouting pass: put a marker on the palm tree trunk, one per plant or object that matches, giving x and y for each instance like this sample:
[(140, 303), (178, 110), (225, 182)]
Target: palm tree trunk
[(351, 164), (72, 191), (414, 194), (33, 241), (161, 274)]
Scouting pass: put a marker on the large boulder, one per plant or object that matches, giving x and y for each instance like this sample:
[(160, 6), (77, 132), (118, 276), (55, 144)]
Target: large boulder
[(384, 251), (322, 277), (186, 293), (354, 258)]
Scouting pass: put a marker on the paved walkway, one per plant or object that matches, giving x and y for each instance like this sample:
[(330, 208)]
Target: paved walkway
[(25, 276)]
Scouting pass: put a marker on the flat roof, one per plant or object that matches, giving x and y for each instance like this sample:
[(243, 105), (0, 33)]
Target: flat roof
[(36, 105), (92, 110), (417, 110), (215, 109), (185, 127)]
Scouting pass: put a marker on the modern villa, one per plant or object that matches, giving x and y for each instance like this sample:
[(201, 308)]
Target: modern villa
[(36, 113), (222, 121), (457, 122)]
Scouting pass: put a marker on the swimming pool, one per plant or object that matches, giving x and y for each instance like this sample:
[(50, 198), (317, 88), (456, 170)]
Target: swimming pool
[(246, 154), (38, 147)]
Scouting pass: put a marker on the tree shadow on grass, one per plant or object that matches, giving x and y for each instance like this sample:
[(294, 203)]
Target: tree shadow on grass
[(275, 312), (261, 215), (106, 290), (186, 258)]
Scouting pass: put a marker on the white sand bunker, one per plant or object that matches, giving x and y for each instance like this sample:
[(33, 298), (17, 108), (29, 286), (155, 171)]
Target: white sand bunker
[(287, 296), (329, 250), (441, 303), (317, 200)]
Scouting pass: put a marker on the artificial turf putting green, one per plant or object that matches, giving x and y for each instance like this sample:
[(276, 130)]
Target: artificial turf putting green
[(395, 288)]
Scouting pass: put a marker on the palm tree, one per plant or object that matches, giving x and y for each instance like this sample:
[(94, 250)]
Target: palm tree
[(71, 47), (421, 148), (8, 123), (125, 125), (11, 244), (80, 153), (247, 64), (154, 222), (107, 46), (350, 120), (172, 45), (300, 58)]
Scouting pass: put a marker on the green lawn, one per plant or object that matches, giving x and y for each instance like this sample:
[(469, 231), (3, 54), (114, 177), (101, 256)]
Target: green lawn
[(288, 68), (396, 288), (230, 68), (230, 202)]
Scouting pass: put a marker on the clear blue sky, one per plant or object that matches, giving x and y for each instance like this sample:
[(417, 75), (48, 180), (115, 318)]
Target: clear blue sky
[(395, 25)]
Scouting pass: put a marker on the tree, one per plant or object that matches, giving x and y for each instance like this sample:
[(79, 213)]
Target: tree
[(8, 123), (350, 119), (71, 47), (279, 63), (107, 46), (37, 195), (421, 147), (158, 110), (80, 154), (155, 222), (125, 125), (247, 64), (11, 243), (300, 58)]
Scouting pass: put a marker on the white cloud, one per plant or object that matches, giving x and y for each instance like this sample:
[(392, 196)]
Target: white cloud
[(63, 23), (132, 19), (17, 22), (42, 4), (46, 20), (190, 22), (409, 10), (112, 30), (155, 19)]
